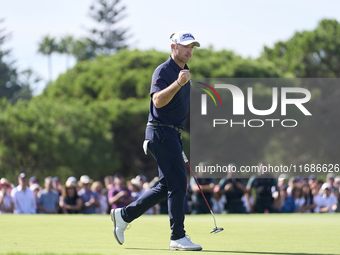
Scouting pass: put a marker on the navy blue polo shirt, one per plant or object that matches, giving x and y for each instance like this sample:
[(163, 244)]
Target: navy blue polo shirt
[(176, 111)]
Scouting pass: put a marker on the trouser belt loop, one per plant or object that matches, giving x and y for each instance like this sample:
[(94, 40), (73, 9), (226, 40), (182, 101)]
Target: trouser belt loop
[(179, 130)]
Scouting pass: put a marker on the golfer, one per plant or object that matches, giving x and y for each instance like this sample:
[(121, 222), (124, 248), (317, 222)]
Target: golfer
[(169, 106)]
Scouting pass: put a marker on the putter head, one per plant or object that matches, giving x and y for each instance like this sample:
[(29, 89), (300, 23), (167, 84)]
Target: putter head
[(216, 230)]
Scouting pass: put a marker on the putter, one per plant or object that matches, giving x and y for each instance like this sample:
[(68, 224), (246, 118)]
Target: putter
[(216, 229)]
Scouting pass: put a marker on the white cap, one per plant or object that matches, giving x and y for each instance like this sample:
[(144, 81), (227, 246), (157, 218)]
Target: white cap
[(72, 179), (283, 177), (34, 186), (326, 185), (337, 179), (184, 38), (85, 179), (136, 182)]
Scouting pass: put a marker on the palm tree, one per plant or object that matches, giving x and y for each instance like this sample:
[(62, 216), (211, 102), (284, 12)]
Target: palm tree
[(47, 46), (65, 46)]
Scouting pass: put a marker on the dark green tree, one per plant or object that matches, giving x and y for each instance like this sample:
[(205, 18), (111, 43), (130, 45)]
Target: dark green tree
[(107, 38), (313, 53), (8, 73), (27, 81)]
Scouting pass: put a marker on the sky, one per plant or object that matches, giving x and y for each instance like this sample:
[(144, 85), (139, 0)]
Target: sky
[(243, 26)]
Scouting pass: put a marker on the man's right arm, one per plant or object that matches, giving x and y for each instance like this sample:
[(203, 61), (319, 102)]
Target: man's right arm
[(163, 97)]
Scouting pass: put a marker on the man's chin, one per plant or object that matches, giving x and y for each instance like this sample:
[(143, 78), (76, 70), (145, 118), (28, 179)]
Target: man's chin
[(186, 60)]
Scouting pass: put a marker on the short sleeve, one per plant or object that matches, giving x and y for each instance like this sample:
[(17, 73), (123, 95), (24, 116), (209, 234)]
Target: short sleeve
[(158, 85), (159, 80)]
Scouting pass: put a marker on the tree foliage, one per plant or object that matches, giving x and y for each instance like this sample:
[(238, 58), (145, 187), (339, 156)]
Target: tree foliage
[(14, 85), (82, 49), (45, 137), (309, 53), (106, 37), (123, 75), (8, 73), (92, 119)]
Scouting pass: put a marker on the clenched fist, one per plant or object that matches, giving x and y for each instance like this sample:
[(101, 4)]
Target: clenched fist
[(183, 77)]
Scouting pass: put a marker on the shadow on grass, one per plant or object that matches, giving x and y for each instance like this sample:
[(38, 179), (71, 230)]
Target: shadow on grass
[(242, 252)]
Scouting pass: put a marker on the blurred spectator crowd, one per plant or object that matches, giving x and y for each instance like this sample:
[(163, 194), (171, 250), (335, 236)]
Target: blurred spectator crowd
[(231, 194)]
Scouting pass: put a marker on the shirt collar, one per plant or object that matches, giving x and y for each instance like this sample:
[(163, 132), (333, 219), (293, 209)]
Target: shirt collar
[(19, 188)]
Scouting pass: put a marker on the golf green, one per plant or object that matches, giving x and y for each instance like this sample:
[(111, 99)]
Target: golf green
[(277, 234)]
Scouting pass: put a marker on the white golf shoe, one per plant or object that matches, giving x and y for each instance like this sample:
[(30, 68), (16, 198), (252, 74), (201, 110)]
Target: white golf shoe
[(184, 244), (119, 225)]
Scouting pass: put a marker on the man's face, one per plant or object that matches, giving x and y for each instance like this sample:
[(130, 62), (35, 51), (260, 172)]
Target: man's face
[(281, 182), (306, 188), (22, 182), (331, 181), (36, 191), (327, 192), (86, 187), (311, 182), (55, 184), (119, 181), (4, 187), (283, 193), (183, 52), (48, 184), (337, 183)]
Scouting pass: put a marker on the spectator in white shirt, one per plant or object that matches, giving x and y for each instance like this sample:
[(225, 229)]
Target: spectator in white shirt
[(23, 197), (317, 198), (329, 202)]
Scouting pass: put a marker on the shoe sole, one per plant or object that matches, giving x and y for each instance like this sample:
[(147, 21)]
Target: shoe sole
[(184, 249), (113, 218)]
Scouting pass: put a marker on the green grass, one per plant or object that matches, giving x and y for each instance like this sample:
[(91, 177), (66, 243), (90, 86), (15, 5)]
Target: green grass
[(293, 234)]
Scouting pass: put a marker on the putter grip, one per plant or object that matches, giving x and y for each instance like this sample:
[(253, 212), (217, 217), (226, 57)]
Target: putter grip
[(185, 157)]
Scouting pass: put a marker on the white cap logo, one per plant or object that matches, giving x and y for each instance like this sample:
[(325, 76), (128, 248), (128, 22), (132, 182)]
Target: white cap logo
[(184, 38)]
